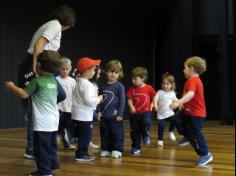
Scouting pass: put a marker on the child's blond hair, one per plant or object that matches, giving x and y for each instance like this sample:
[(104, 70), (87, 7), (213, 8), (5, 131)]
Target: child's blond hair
[(65, 61), (198, 63), (170, 78), (114, 66)]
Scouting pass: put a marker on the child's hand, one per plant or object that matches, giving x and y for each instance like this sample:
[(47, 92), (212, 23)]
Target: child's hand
[(118, 118), (154, 108), (8, 84), (101, 98), (174, 105), (99, 116), (132, 110)]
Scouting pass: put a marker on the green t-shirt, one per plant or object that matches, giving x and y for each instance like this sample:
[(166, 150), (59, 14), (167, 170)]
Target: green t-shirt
[(43, 91)]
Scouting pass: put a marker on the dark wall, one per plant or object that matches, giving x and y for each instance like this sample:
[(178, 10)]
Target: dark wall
[(157, 36), (106, 30)]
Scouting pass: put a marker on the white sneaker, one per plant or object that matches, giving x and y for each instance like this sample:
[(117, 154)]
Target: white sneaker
[(91, 145), (58, 139), (172, 136), (116, 154), (71, 147), (160, 143), (105, 153)]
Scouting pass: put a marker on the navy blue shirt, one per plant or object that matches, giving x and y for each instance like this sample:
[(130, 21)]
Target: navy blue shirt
[(113, 99)]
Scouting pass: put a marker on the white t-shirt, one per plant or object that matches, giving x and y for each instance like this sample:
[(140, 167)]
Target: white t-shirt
[(68, 85), (164, 100), (52, 32), (85, 100)]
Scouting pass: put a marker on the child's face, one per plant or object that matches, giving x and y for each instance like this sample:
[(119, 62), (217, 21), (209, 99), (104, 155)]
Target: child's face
[(91, 72), (138, 81), (188, 71), (112, 76), (65, 70), (166, 85)]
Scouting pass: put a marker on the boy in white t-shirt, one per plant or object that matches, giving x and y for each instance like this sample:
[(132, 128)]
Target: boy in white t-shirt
[(65, 124), (85, 100), (43, 91)]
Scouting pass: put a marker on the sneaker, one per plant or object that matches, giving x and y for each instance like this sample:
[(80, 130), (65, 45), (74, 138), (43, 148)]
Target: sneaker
[(184, 142), (105, 153), (135, 151), (37, 174), (172, 136), (91, 145), (85, 158), (116, 154), (204, 160), (58, 139), (29, 153), (71, 147), (146, 140), (160, 143)]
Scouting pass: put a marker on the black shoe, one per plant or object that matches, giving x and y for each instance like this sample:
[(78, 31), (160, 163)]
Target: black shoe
[(36, 173), (29, 153), (85, 158)]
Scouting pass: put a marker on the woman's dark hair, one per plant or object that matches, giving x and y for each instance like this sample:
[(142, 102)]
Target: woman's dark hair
[(65, 15)]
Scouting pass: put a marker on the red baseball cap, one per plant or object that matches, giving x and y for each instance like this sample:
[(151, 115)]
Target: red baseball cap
[(85, 63)]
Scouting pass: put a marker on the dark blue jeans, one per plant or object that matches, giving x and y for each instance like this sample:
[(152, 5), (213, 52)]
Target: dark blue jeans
[(65, 128), (112, 134), (140, 126), (45, 152), (191, 128), (161, 127), (83, 130)]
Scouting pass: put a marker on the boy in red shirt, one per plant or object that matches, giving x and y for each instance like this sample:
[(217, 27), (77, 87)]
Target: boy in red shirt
[(140, 97), (189, 120)]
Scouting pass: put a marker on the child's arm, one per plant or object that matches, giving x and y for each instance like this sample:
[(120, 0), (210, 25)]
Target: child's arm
[(131, 106), (154, 103), (61, 92), (121, 107), (187, 97), (10, 86)]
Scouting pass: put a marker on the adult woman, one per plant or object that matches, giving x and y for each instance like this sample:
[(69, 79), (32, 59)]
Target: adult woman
[(47, 37)]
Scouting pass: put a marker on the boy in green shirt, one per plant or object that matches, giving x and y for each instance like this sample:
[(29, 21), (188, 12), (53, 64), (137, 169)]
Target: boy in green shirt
[(44, 92)]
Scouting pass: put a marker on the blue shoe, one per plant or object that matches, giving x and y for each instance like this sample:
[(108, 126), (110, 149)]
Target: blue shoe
[(204, 160), (146, 140), (135, 150)]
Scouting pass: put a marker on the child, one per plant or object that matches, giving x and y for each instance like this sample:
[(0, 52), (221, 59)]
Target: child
[(164, 98), (111, 111), (68, 83), (43, 91), (189, 120), (94, 81), (140, 98), (85, 100)]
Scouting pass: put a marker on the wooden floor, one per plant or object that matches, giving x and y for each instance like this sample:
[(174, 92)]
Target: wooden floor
[(169, 161)]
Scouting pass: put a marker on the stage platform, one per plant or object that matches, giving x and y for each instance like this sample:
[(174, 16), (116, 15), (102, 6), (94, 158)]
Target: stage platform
[(171, 160)]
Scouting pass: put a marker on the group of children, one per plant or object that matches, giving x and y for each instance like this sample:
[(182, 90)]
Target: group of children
[(87, 99)]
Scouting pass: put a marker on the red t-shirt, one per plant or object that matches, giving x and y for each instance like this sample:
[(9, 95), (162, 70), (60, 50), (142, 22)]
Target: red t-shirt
[(141, 97), (196, 106)]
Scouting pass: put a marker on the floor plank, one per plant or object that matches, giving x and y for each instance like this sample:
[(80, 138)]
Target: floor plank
[(169, 161)]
